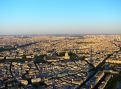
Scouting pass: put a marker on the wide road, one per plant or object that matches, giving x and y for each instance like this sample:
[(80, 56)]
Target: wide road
[(96, 69)]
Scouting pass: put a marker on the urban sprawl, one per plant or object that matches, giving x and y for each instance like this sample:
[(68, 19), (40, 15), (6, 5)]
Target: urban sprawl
[(60, 62)]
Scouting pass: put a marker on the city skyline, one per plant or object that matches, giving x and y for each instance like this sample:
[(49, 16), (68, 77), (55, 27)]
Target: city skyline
[(60, 17)]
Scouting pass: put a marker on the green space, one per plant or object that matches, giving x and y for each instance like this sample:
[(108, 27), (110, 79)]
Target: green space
[(113, 82)]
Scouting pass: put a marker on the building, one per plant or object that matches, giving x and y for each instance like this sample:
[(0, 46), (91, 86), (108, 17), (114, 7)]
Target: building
[(66, 56)]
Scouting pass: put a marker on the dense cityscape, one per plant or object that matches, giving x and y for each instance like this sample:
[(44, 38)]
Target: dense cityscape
[(60, 44), (60, 62)]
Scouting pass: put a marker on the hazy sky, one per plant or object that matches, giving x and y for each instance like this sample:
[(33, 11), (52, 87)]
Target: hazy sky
[(60, 16)]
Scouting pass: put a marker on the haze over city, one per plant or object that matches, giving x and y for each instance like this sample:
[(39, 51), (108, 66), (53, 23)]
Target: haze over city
[(60, 44), (60, 17)]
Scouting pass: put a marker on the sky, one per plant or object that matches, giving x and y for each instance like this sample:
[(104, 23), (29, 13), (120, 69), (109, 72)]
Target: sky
[(60, 16)]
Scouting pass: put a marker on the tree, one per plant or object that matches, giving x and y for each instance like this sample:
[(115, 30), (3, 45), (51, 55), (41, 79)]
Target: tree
[(40, 59)]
